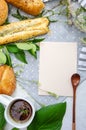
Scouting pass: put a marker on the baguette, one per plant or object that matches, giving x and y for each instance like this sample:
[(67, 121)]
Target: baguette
[(23, 30), (3, 11), (7, 80), (33, 7)]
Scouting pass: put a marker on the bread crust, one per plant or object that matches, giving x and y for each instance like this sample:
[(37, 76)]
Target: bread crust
[(33, 7), (3, 11), (7, 80), (23, 30)]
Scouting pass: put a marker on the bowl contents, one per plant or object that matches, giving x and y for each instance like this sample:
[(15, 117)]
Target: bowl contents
[(20, 110)]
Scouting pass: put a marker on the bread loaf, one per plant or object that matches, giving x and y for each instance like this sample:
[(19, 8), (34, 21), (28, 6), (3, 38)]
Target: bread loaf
[(3, 11), (23, 30), (7, 80), (33, 7)]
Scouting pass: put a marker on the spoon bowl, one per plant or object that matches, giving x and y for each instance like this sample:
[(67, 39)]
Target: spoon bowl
[(75, 80)]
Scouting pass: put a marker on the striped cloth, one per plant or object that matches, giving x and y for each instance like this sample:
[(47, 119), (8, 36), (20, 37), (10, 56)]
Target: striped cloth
[(82, 56), (82, 59), (83, 3)]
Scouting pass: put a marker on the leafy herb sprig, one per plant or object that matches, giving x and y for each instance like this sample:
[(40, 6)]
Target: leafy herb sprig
[(19, 16), (18, 49), (76, 17), (44, 13)]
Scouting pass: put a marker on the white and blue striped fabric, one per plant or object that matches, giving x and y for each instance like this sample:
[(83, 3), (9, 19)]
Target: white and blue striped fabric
[(82, 3), (82, 59)]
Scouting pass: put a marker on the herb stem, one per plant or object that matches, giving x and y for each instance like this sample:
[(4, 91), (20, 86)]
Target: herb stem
[(20, 79), (40, 104)]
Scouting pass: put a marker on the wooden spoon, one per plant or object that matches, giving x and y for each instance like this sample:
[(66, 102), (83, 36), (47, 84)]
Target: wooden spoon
[(75, 80)]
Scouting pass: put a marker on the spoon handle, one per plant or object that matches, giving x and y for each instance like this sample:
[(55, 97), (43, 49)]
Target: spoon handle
[(73, 126), (74, 107)]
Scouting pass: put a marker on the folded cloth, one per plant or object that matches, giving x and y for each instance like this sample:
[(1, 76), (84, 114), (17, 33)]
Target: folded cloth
[(82, 59), (83, 3)]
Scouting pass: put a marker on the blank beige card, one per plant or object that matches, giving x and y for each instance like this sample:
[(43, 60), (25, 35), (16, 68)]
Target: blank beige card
[(58, 61)]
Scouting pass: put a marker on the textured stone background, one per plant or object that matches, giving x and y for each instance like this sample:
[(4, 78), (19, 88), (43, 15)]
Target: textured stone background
[(60, 32)]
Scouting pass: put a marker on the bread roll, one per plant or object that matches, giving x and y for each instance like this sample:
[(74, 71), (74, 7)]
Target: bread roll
[(3, 11), (33, 7), (23, 30), (7, 80)]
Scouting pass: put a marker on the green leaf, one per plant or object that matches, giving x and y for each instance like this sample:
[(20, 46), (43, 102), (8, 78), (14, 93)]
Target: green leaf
[(1, 46), (33, 53), (28, 46), (14, 129), (49, 118), (2, 119), (8, 61), (25, 46), (2, 58), (33, 47), (21, 56), (83, 40), (37, 47), (12, 48), (6, 22), (37, 40)]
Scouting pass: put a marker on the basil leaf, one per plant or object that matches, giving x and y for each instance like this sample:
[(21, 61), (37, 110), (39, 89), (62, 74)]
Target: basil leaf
[(21, 56), (2, 58), (15, 129), (12, 48), (24, 46), (36, 40), (37, 48), (33, 53), (8, 61), (49, 118), (33, 47), (2, 119)]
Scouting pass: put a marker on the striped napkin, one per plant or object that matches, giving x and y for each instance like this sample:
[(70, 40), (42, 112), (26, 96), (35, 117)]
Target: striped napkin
[(83, 3), (82, 59), (82, 56)]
